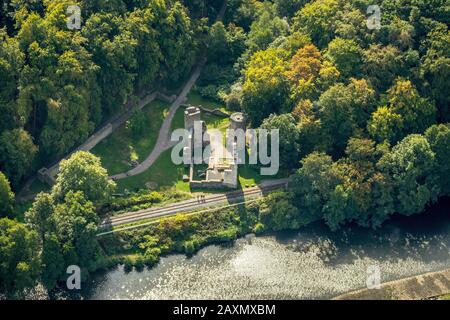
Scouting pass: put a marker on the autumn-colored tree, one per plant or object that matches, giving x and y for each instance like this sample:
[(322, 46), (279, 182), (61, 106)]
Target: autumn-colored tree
[(306, 72), (266, 87)]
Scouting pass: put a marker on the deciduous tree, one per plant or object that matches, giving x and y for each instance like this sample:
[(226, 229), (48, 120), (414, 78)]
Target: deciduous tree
[(6, 196), (17, 152), (83, 172)]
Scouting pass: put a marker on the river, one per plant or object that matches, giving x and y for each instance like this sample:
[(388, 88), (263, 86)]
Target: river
[(311, 263)]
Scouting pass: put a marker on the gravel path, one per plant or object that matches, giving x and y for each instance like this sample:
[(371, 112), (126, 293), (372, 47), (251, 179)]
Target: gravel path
[(163, 143)]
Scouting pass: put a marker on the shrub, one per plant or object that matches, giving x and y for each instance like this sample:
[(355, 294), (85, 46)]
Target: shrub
[(137, 123), (189, 247), (128, 264), (259, 228)]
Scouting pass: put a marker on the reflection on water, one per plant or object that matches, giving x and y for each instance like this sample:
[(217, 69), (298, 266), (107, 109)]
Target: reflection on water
[(311, 263)]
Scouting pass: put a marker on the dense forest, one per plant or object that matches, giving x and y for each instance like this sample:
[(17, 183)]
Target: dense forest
[(363, 112), (57, 84)]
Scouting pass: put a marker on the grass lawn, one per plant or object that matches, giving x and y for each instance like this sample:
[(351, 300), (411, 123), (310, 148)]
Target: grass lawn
[(178, 120), (121, 147), (163, 172), (250, 175), (196, 99), (216, 122), (212, 121), (167, 175)]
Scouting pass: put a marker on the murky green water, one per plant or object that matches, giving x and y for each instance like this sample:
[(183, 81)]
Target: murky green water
[(308, 264)]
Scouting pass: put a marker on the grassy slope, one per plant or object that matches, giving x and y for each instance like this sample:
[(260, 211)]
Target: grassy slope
[(163, 172), (196, 100), (121, 146)]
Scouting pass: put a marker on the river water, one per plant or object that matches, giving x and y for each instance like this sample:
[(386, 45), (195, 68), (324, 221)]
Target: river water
[(311, 263)]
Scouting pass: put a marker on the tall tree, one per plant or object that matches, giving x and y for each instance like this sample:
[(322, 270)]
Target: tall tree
[(148, 52), (410, 165), (418, 113), (438, 137), (19, 252), (344, 109), (436, 68), (265, 29), (72, 239), (312, 136), (17, 152), (113, 50), (313, 183), (310, 73), (179, 46), (281, 214), (95, 185), (288, 134), (11, 63), (266, 89), (317, 18), (382, 65), (6, 196), (57, 86), (346, 55), (38, 217)]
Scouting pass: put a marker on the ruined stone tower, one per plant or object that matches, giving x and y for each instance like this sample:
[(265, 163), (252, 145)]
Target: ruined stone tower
[(237, 121)]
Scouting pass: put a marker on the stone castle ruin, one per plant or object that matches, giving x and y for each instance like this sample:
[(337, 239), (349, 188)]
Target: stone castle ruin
[(222, 170)]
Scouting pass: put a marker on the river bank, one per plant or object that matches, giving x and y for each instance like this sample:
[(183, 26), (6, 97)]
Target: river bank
[(425, 286), (312, 263)]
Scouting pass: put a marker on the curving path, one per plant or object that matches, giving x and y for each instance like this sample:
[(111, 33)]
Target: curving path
[(163, 143)]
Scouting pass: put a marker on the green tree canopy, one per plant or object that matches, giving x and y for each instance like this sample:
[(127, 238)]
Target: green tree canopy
[(38, 217), (83, 172), (385, 125), (382, 65), (410, 167), (417, 113), (11, 62), (71, 239), (313, 183), (438, 137), (317, 18), (19, 257), (346, 55), (17, 152), (289, 136), (266, 88), (6, 196)]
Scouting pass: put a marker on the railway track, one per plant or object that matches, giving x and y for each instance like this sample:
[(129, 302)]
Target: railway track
[(188, 205)]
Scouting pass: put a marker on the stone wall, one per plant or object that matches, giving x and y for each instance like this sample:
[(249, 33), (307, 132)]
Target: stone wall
[(48, 176), (216, 112), (166, 98), (419, 287), (204, 184), (96, 138)]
